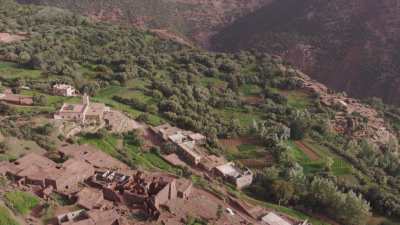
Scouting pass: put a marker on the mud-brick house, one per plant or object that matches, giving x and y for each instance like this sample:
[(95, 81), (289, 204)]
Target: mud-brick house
[(92, 217), (39, 171), (89, 198), (16, 99), (184, 188), (83, 113), (186, 142), (64, 90)]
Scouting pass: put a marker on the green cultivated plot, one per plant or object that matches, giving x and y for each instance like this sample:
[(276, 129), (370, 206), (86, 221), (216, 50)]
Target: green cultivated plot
[(11, 71), (6, 218), (21, 202)]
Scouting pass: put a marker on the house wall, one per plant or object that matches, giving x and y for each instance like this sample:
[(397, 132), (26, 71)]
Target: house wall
[(95, 118), (244, 181), (169, 192), (111, 195), (132, 198), (33, 181), (185, 193), (193, 160)]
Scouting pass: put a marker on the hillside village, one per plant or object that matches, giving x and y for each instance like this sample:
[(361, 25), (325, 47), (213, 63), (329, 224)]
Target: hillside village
[(107, 124), (106, 191)]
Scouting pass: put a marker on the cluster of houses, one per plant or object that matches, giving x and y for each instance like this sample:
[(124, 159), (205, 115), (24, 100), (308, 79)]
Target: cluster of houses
[(189, 148), (16, 99), (106, 190), (96, 182), (84, 113)]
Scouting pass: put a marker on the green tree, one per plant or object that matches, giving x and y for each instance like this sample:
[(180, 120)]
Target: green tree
[(283, 191), (40, 100)]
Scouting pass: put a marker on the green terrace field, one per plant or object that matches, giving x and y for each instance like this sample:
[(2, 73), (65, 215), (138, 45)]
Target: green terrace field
[(282, 209), (21, 202), (132, 90), (297, 99), (10, 70), (6, 217), (244, 117), (339, 166), (250, 90), (129, 153)]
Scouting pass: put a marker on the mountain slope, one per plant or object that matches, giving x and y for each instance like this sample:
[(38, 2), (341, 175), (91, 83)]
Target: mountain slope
[(301, 140), (349, 45), (194, 20)]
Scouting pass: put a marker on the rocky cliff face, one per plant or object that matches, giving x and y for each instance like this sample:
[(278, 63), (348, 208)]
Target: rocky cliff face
[(351, 45)]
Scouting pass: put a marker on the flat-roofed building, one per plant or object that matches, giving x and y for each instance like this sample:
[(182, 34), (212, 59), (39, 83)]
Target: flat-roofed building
[(92, 217), (93, 156), (64, 90), (209, 162), (85, 112), (34, 169), (240, 177), (190, 152), (89, 198)]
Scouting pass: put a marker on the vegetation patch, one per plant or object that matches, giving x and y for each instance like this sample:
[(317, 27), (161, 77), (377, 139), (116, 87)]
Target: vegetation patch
[(297, 99), (10, 70), (21, 202), (6, 217), (128, 151)]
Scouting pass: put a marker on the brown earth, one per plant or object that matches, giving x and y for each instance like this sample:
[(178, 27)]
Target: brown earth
[(235, 142), (307, 150), (9, 38), (346, 44)]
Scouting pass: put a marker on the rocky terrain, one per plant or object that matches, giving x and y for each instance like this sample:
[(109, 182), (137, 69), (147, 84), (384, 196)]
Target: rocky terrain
[(348, 45)]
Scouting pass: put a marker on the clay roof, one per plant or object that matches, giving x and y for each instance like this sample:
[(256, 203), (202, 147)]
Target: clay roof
[(167, 129), (32, 165), (212, 161), (89, 197), (189, 148), (103, 217), (72, 108), (38, 172), (228, 170), (177, 138), (92, 156), (72, 172), (96, 109), (174, 160), (82, 222)]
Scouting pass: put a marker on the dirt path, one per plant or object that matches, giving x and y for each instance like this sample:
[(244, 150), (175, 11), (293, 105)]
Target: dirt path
[(307, 150), (9, 38)]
